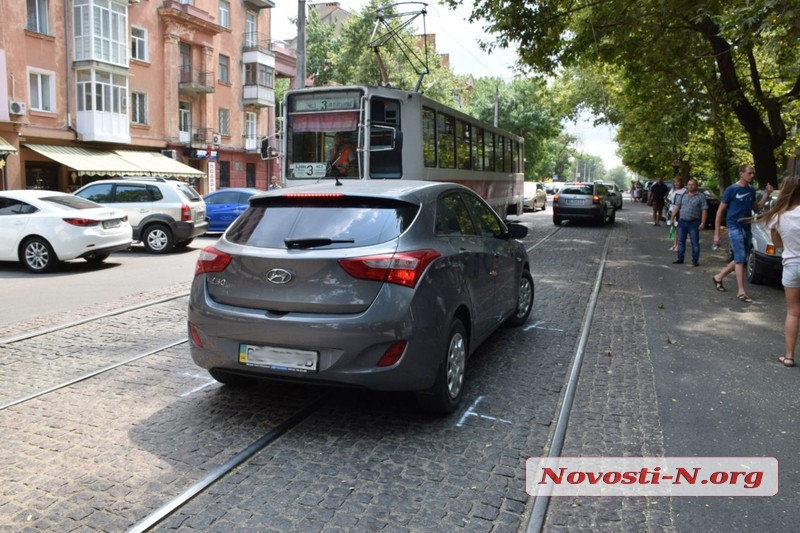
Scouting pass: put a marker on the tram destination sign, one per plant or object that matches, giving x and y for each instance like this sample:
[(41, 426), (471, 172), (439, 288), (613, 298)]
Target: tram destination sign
[(336, 101)]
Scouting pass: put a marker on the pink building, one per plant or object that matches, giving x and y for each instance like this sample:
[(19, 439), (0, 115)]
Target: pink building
[(87, 86)]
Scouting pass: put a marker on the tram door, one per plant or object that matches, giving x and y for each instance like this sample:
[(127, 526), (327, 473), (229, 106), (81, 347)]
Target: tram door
[(385, 138)]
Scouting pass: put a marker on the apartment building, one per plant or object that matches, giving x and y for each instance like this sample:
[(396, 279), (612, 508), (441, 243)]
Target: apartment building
[(98, 88)]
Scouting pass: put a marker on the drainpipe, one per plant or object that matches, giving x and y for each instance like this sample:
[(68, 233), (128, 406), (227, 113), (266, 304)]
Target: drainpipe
[(67, 63)]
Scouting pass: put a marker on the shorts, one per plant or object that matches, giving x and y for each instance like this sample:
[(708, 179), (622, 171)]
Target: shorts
[(791, 275), (657, 205), (740, 243)]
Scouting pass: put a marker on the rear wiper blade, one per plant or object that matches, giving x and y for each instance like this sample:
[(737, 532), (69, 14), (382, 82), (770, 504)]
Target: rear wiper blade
[(313, 242)]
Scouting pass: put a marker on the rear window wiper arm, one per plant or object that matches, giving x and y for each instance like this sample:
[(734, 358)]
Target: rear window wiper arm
[(313, 242)]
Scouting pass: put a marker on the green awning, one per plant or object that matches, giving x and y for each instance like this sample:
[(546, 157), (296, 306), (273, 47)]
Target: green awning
[(6, 148), (156, 164), (88, 162)]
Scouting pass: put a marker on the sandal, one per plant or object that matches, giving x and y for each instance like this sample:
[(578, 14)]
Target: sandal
[(786, 361), (718, 285), (744, 298)]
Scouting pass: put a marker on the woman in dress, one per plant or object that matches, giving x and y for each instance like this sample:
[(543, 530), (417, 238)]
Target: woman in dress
[(783, 220)]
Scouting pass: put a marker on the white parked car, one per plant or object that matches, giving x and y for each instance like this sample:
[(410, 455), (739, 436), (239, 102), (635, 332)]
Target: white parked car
[(41, 228), (534, 197)]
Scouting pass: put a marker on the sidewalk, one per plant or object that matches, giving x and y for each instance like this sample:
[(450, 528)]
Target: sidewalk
[(674, 368)]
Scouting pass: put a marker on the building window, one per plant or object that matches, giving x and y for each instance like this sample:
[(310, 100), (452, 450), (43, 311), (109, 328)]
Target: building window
[(250, 29), (138, 43), (224, 14), (41, 91), (224, 121), (100, 31), (139, 108), (102, 91), (37, 16), (223, 69), (258, 74), (250, 125)]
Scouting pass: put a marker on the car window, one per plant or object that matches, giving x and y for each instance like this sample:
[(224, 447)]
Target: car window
[(73, 202), (354, 221), (189, 191), (100, 193), (452, 216), (577, 189), (488, 223), (131, 194), (224, 197), (11, 206)]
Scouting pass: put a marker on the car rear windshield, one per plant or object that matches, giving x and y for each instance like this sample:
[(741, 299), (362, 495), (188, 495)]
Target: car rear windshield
[(578, 189), (321, 222), (189, 191), (73, 202)]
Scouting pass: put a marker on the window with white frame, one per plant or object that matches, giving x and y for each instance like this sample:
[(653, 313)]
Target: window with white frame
[(224, 63), (250, 125), (138, 43), (38, 19), (41, 90), (224, 121), (102, 91), (185, 117), (100, 31), (250, 29), (224, 14), (138, 108)]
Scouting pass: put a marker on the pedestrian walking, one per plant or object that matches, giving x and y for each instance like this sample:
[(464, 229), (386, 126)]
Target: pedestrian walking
[(783, 221), (690, 213), (739, 201), (658, 192)]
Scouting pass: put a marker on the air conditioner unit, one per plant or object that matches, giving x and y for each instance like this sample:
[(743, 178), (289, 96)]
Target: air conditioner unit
[(216, 139), (170, 153), (198, 138), (16, 107)]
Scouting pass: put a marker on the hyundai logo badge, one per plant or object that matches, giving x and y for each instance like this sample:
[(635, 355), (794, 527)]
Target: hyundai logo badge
[(279, 276)]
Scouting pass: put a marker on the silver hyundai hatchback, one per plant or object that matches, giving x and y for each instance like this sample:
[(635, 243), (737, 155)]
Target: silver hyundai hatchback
[(383, 285)]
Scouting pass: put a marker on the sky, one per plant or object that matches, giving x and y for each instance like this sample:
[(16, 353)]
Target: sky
[(458, 38)]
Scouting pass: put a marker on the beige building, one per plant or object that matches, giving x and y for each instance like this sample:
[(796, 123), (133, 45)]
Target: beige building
[(97, 88)]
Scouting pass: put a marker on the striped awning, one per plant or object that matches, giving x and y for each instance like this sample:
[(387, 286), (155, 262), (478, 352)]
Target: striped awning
[(6, 148), (91, 162), (157, 164)]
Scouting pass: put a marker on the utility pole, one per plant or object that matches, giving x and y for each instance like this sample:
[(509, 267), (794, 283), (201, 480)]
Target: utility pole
[(300, 80)]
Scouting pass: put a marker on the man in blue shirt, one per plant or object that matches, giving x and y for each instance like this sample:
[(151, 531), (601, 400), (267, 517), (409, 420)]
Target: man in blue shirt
[(739, 200)]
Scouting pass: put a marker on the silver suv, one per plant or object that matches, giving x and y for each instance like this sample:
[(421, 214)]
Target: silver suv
[(163, 213)]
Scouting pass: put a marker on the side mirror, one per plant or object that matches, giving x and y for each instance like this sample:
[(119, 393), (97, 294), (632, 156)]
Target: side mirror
[(517, 231)]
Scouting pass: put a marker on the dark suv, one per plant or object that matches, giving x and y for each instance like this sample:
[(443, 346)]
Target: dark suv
[(164, 213), (583, 201)]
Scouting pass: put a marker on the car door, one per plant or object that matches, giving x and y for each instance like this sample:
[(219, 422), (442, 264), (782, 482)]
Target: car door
[(14, 217), (455, 223), (501, 258), (222, 208), (135, 199)]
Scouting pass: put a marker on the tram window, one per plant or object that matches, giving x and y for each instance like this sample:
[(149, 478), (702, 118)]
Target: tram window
[(429, 137), (447, 141), (464, 145), (500, 153), (477, 152), (488, 154)]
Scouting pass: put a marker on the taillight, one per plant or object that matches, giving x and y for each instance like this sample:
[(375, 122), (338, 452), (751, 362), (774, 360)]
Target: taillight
[(393, 354), (595, 199), (82, 222), (211, 260), (186, 213), (402, 268), (555, 199), (770, 250)]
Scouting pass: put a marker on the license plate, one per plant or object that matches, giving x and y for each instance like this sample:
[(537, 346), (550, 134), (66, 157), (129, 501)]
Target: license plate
[(574, 202), (110, 224), (278, 358)]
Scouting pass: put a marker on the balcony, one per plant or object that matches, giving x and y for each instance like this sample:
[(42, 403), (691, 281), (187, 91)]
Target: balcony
[(204, 137), (251, 144), (258, 95), (194, 82), (259, 4)]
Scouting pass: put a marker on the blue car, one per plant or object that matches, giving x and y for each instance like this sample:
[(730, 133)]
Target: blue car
[(225, 205)]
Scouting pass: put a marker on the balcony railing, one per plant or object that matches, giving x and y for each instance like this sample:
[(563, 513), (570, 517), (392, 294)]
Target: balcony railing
[(254, 41), (194, 81)]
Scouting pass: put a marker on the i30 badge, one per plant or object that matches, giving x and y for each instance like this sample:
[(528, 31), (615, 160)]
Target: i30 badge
[(279, 276)]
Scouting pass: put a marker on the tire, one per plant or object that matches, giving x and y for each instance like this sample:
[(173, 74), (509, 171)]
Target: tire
[(752, 272), (157, 239), (602, 220), (231, 380), (524, 302), (448, 388), (556, 220), (613, 217), (38, 256)]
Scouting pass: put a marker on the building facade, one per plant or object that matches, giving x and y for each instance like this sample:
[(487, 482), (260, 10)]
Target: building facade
[(87, 85)]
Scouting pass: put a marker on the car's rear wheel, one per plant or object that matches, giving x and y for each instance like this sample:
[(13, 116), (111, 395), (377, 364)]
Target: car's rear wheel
[(556, 220), (157, 239), (448, 388), (38, 256), (524, 302)]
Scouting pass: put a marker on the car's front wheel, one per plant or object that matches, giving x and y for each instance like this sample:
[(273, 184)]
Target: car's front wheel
[(753, 271), (524, 302), (157, 239), (448, 388), (38, 256)]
